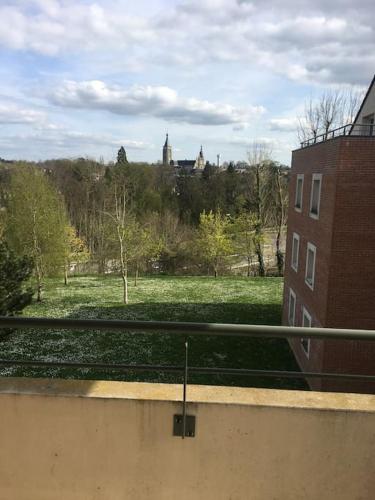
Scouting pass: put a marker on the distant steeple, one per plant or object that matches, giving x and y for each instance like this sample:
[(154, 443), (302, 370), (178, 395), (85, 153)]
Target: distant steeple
[(200, 160), (167, 152)]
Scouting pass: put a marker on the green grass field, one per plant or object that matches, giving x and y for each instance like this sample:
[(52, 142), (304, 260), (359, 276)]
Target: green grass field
[(200, 299)]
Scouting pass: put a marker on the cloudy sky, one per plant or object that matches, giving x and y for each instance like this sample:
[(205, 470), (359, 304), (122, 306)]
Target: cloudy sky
[(83, 77)]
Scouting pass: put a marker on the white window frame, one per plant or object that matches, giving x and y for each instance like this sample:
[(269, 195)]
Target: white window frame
[(315, 177), (306, 341), (292, 294), (312, 247), (297, 238), (296, 208)]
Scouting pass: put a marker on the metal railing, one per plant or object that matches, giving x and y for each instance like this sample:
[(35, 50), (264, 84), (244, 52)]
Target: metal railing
[(358, 130), (187, 330)]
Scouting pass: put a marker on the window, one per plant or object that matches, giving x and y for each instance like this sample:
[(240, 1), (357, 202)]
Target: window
[(369, 121), (292, 307), (306, 322), (295, 251), (299, 192), (316, 184), (310, 265)]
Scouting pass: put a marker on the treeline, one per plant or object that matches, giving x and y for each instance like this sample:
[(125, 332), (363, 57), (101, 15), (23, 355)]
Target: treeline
[(132, 218)]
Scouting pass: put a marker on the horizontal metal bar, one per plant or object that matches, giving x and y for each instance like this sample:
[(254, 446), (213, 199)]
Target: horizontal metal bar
[(184, 328), (361, 129), (279, 374), (96, 366), (180, 369)]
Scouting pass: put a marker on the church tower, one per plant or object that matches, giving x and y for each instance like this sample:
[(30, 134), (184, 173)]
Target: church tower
[(167, 152), (200, 160)]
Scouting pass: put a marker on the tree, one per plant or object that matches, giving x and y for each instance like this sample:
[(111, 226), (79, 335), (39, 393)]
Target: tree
[(14, 273), (123, 223), (213, 239), (145, 245), (258, 157), (331, 110), (75, 250), (36, 222), (121, 156), (245, 237), (275, 201)]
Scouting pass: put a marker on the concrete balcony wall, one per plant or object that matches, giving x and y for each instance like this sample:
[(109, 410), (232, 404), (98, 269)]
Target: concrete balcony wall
[(83, 440)]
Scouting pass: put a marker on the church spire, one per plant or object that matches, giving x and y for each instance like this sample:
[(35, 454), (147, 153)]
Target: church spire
[(167, 152)]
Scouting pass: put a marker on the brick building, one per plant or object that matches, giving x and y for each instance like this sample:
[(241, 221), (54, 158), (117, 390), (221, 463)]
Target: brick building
[(330, 252)]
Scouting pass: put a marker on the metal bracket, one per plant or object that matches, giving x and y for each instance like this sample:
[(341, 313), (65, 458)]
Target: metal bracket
[(184, 425), (178, 426)]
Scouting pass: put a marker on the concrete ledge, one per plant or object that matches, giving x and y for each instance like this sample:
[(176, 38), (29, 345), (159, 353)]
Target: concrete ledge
[(195, 394)]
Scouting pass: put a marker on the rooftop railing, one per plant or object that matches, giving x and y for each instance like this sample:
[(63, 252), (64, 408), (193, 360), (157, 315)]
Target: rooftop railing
[(186, 330), (358, 130)]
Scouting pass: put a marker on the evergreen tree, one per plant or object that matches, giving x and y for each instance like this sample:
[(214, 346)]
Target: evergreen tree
[(121, 156), (14, 272)]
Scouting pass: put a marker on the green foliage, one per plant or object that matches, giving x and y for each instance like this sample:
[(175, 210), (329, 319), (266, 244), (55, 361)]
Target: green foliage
[(213, 240), (86, 189), (76, 250), (14, 272), (36, 222)]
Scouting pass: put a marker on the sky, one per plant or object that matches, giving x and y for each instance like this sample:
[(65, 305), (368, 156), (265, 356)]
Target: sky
[(83, 77)]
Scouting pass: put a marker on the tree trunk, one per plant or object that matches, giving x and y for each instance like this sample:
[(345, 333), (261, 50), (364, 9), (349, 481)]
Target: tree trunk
[(38, 264), (248, 266), (65, 275), (136, 275), (279, 254), (38, 286), (259, 253), (125, 285)]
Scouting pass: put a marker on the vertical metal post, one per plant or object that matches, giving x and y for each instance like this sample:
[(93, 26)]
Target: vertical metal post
[(184, 391)]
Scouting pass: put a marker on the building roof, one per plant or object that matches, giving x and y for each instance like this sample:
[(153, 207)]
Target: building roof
[(370, 96), (186, 163)]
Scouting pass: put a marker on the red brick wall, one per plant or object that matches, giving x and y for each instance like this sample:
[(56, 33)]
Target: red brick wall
[(351, 301), (344, 291), (321, 159)]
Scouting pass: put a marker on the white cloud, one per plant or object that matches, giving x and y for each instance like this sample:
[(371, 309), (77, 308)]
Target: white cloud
[(53, 143), (273, 145), (283, 124), (156, 101), (13, 114), (324, 42)]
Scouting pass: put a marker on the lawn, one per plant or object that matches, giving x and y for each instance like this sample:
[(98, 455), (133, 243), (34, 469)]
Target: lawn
[(200, 299)]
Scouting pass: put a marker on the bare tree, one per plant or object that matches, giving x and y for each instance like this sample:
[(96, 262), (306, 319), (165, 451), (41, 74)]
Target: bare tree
[(258, 157), (331, 110), (275, 200), (123, 225), (309, 122)]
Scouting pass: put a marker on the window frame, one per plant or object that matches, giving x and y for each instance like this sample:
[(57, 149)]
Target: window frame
[(315, 177), (304, 340), (312, 247), (292, 294), (302, 178), (296, 237)]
